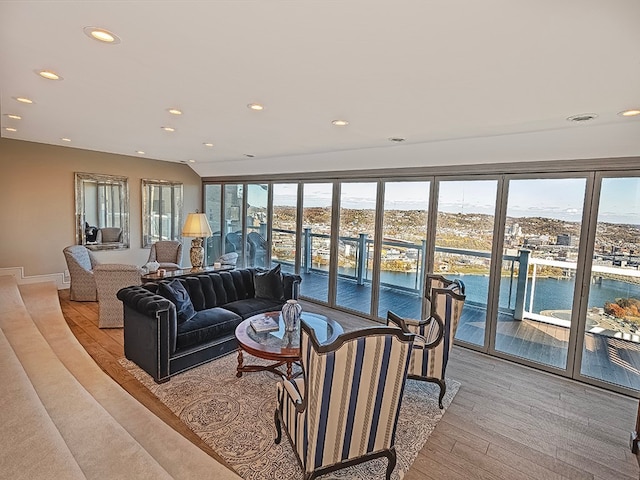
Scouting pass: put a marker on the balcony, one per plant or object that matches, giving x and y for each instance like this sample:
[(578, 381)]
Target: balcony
[(532, 323)]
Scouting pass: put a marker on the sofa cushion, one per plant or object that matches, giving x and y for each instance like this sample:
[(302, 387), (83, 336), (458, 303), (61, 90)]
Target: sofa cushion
[(175, 292), (205, 326), (252, 306), (269, 284)]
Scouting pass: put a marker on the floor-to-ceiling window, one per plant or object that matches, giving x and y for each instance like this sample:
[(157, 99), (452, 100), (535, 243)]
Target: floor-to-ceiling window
[(356, 234), (256, 225), (464, 241), (537, 285), (233, 238), (212, 208), (611, 350), (316, 240), (403, 251), (284, 225)]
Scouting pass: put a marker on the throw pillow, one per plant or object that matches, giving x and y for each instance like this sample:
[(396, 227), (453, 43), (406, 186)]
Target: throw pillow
[(175, 292), (269, 284)]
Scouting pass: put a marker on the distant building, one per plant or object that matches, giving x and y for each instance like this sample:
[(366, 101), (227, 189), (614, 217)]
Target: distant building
[(566, 240)]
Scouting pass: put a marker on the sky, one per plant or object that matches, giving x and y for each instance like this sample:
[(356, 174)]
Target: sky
[(560, 198)]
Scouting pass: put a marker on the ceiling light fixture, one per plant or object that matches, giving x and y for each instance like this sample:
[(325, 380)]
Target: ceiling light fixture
[(630, 113), (49, 75), (10, 129), (174, 111), (139, 152), (255, 106), (13, 116), (102, 35), (340, 123), (192, 160), (249, 155), (65, 139), (582, 117), (208, 144), (396, 139), (23, 100), (168, 129)]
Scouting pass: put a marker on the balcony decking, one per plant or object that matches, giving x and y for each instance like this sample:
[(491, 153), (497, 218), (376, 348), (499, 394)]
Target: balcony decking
[(605, 358)]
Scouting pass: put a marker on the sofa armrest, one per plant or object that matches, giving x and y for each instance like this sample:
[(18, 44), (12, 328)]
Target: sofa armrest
[(150, 330), (291, 286)]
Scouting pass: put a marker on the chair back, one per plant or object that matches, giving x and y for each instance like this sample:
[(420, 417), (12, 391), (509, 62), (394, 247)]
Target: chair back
[(109, 235), (81, 262), (353, 393), (446, 299), (110, 278), (166, 251)]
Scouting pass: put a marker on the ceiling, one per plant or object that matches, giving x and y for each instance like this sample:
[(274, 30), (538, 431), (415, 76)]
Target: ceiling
[(461, 81)]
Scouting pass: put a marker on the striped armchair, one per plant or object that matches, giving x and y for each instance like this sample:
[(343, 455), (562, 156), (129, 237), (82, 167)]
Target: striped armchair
[(344, 409), (445, 301)]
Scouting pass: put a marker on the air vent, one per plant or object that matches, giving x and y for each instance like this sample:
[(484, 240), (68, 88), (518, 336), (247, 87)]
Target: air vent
[(583, 117), (396, 139)]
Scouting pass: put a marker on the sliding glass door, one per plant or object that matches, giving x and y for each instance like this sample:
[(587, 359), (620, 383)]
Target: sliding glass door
[(256, 244), (356, 234), (611, 350), (284, 222)]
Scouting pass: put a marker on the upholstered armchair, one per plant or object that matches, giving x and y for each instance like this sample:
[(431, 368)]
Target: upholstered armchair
[(81, 262), (110, 278), (344, 408), (168, 253), (109, 235), (429, 361)]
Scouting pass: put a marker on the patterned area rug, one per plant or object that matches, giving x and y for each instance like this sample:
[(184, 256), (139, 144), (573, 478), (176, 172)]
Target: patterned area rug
[(235, 417)]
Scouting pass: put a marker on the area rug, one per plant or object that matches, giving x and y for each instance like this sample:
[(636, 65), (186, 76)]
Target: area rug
[(235, 417)]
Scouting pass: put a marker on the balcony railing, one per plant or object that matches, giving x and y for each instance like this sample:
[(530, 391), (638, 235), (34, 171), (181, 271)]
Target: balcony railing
[(520, 272)]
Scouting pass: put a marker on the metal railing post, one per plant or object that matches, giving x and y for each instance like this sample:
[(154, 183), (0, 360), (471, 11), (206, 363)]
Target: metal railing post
[(306, 260), (422, 254), (521, 288), (362, 261)]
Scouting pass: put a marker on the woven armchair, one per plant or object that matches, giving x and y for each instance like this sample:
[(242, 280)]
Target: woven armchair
[(81, 262), (344, 409), (429, 361), (168, 253), (110, 278)]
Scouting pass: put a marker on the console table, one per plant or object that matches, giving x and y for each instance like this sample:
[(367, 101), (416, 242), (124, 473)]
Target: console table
[(182, 272)]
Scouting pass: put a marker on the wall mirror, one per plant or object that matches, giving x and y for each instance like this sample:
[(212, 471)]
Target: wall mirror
[(161, 211), (102, 211)]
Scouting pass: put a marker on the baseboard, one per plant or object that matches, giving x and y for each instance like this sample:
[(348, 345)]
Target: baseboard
[(18, 274)]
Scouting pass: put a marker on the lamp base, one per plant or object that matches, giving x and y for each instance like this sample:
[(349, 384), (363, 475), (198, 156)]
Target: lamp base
[(196, 253)]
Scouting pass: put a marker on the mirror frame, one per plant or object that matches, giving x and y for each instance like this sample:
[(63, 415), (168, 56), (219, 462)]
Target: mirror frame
[(146, 183), (80, 180)]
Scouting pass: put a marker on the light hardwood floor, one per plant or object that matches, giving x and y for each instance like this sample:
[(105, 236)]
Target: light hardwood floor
[(506, 422)]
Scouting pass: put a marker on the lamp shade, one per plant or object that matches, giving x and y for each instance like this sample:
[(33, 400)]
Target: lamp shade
[(196, 225)]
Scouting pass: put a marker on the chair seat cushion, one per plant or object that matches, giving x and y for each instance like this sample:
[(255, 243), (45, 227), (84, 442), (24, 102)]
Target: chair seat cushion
[(253, 306), (205, 326)]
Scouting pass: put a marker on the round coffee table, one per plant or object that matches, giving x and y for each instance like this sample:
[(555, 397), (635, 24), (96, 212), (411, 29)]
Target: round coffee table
[(279, 346)]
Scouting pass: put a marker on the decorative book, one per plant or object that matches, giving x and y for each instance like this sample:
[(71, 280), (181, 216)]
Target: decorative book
[(264, 324)]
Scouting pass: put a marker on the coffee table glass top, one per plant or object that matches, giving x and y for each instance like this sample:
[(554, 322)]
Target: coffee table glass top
[(325, 329)]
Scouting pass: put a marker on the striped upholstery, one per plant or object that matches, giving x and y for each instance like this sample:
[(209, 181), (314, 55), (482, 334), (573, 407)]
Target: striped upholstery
[(445, 300), (344, 409)]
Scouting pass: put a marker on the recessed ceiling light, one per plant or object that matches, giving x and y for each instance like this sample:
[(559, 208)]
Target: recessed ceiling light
[(582, 117), (13, 116), (255, 106), (23, 99), (65, 139), (630, 113), (102, 35), (49, 75), (192, 160), (340, 123), (168, 129), (396, 139), (10, 129), (174, 111), (208, 144), (139, 152)]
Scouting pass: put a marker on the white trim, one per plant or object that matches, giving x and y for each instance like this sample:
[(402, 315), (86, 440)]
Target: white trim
[(18, 274)]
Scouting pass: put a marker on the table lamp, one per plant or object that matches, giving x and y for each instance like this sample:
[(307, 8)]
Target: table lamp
[(196, 226)]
